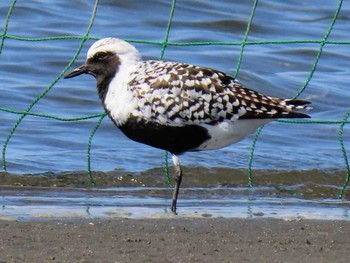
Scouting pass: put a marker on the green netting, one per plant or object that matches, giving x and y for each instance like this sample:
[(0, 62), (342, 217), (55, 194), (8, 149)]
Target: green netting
[(164, 44)]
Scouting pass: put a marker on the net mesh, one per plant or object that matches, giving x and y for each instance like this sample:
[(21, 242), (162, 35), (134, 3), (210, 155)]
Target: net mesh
[(164, 44)]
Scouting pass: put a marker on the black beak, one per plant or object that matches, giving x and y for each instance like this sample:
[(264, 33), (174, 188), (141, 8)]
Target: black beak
[(78, 71)]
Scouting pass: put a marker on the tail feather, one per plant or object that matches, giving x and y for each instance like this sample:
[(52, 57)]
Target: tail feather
[(297, 105), (297, 102), (275, 108)]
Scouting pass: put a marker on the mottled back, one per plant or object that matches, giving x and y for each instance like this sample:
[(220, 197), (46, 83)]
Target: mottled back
[(179, 94)]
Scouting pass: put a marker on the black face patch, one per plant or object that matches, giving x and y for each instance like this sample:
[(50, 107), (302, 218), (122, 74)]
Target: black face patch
[(104, 66), (101, 57)]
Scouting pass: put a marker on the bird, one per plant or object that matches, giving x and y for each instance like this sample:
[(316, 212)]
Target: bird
[(177, 107)]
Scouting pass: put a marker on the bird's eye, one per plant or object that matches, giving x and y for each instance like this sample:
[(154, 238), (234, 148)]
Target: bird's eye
[(101, 56)]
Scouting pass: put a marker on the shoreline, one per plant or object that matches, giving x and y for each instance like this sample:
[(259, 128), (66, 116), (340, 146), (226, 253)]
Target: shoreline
[(175, 240)]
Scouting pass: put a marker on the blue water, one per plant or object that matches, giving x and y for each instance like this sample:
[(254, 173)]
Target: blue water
[(27, 68)]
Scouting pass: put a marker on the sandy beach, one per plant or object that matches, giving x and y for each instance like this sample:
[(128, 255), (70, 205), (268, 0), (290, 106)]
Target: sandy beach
[(175, 240)]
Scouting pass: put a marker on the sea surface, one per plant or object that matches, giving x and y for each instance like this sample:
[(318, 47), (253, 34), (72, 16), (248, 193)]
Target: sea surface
[(40, 39)]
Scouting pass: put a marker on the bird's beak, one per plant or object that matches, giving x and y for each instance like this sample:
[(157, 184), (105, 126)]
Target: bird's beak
[(78, 71)]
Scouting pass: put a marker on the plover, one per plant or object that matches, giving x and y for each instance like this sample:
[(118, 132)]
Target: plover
[(175, 106)]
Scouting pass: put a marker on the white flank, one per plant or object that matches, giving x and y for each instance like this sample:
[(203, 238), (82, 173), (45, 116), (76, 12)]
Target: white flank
[(227, 132)]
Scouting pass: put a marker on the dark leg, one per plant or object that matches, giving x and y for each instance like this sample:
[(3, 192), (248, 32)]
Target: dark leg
[(178, 179)]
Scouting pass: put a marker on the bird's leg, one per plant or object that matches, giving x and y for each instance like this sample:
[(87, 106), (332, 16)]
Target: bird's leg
[(178, 179)]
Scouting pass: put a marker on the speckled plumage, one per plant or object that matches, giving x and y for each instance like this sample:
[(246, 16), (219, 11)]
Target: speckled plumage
[(176, 106), (176, 94)]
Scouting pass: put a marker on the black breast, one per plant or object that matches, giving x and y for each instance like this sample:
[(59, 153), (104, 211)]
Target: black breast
[(175, 140)]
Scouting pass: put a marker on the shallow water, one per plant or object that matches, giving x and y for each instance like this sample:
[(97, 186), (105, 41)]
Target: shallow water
[(40, 145), (213, 193), (135, 202)]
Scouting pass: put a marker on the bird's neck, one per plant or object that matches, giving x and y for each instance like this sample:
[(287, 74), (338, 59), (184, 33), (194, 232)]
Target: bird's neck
[(118, 100), (120, 70), (103, 85)]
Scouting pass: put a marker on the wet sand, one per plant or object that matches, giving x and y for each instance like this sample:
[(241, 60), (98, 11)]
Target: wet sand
[(175, 240)]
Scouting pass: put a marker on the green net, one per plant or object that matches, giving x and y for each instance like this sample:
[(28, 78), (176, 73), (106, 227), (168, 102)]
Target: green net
[(164, 44)]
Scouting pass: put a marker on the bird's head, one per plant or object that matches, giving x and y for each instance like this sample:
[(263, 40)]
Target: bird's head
[(105, 57)]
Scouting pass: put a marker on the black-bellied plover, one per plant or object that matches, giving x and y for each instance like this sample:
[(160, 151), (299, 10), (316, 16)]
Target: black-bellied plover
[(175, 106)]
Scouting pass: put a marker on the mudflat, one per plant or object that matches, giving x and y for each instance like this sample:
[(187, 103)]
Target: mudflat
[(175, 240)]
